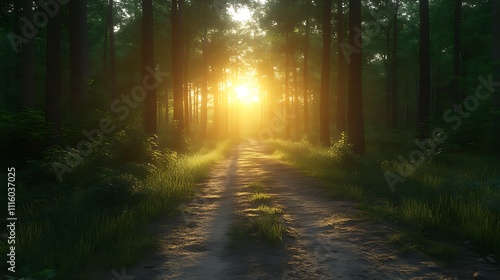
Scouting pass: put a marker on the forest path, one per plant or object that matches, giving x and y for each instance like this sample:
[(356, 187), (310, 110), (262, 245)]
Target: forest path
[(324, 239)]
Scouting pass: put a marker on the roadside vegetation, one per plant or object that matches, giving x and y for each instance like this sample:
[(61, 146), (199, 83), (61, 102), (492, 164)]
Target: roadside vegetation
[(449, 196), (97, 217)]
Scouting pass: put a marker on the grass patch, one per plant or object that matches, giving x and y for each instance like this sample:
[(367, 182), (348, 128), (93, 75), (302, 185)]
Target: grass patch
[(264, 223), (407, 241), (103, 226), (259, 197), (448, 195), (267, 226)]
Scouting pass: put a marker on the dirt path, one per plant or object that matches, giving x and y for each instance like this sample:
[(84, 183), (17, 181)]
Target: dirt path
[(325, 238)]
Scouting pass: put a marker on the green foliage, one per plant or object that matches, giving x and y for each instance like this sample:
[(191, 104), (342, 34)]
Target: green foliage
[(456, 195), (24, 134), (342, 149), (98, 213)]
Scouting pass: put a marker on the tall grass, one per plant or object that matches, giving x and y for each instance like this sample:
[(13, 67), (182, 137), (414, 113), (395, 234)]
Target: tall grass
[(455, 195), (73, 237)]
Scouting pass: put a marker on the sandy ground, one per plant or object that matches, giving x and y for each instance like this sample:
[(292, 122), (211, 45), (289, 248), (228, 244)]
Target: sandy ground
[(325, 238)]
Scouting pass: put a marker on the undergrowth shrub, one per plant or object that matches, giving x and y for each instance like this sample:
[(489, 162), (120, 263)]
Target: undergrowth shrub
[(342, 150), (24, 134), (457, 194)]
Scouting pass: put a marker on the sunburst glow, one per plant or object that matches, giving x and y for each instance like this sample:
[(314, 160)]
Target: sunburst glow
[(245, 94)]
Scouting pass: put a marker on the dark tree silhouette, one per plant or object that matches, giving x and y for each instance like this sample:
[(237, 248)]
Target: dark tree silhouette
[(28, 62), (186, 92), (394, 70), (495, 36), (355, 122), (288, 125), (53, 75), (177, 63), (204, 84), (457, 91), (324, 119), (112, 56), (305, 78), (425, 77), (341, 69), (150, 109), (79, 55)]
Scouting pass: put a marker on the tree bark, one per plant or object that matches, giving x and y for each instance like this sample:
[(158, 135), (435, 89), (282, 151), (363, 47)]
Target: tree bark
[(28, 62), (387, 66), (305, 77), (177, 61), (112, 57), (204, 85), (495, 36), (295, 105), (53, 75), (425, 78), (457, 94), (355, 122), (340, 120), (324, 121), (216, 94), (394, 71), (185, 80), (288, 126), (79, 55), (150, 108)]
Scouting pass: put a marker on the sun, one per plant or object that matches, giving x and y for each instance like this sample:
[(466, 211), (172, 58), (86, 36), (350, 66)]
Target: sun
[(245, 95), (242, 92)]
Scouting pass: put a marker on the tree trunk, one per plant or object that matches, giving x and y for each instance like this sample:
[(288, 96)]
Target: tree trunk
[(13, 76), (226, 103), (196, 105), (105, 44), (324, 120), (394, 71), (79, 55), (296, 113), (425, 77), (177, 61), (53, 75), (387, 66), (28, 62), (341, 71), (495, 35), (112, 57), (457, 93), (167, 104), (305, 82), (287, 85), (186, 83), (150, 109), (204, 86), (216, 94), (355, 122)]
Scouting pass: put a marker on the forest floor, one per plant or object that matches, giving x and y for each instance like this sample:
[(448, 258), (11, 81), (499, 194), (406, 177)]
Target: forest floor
[(324, 238)]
